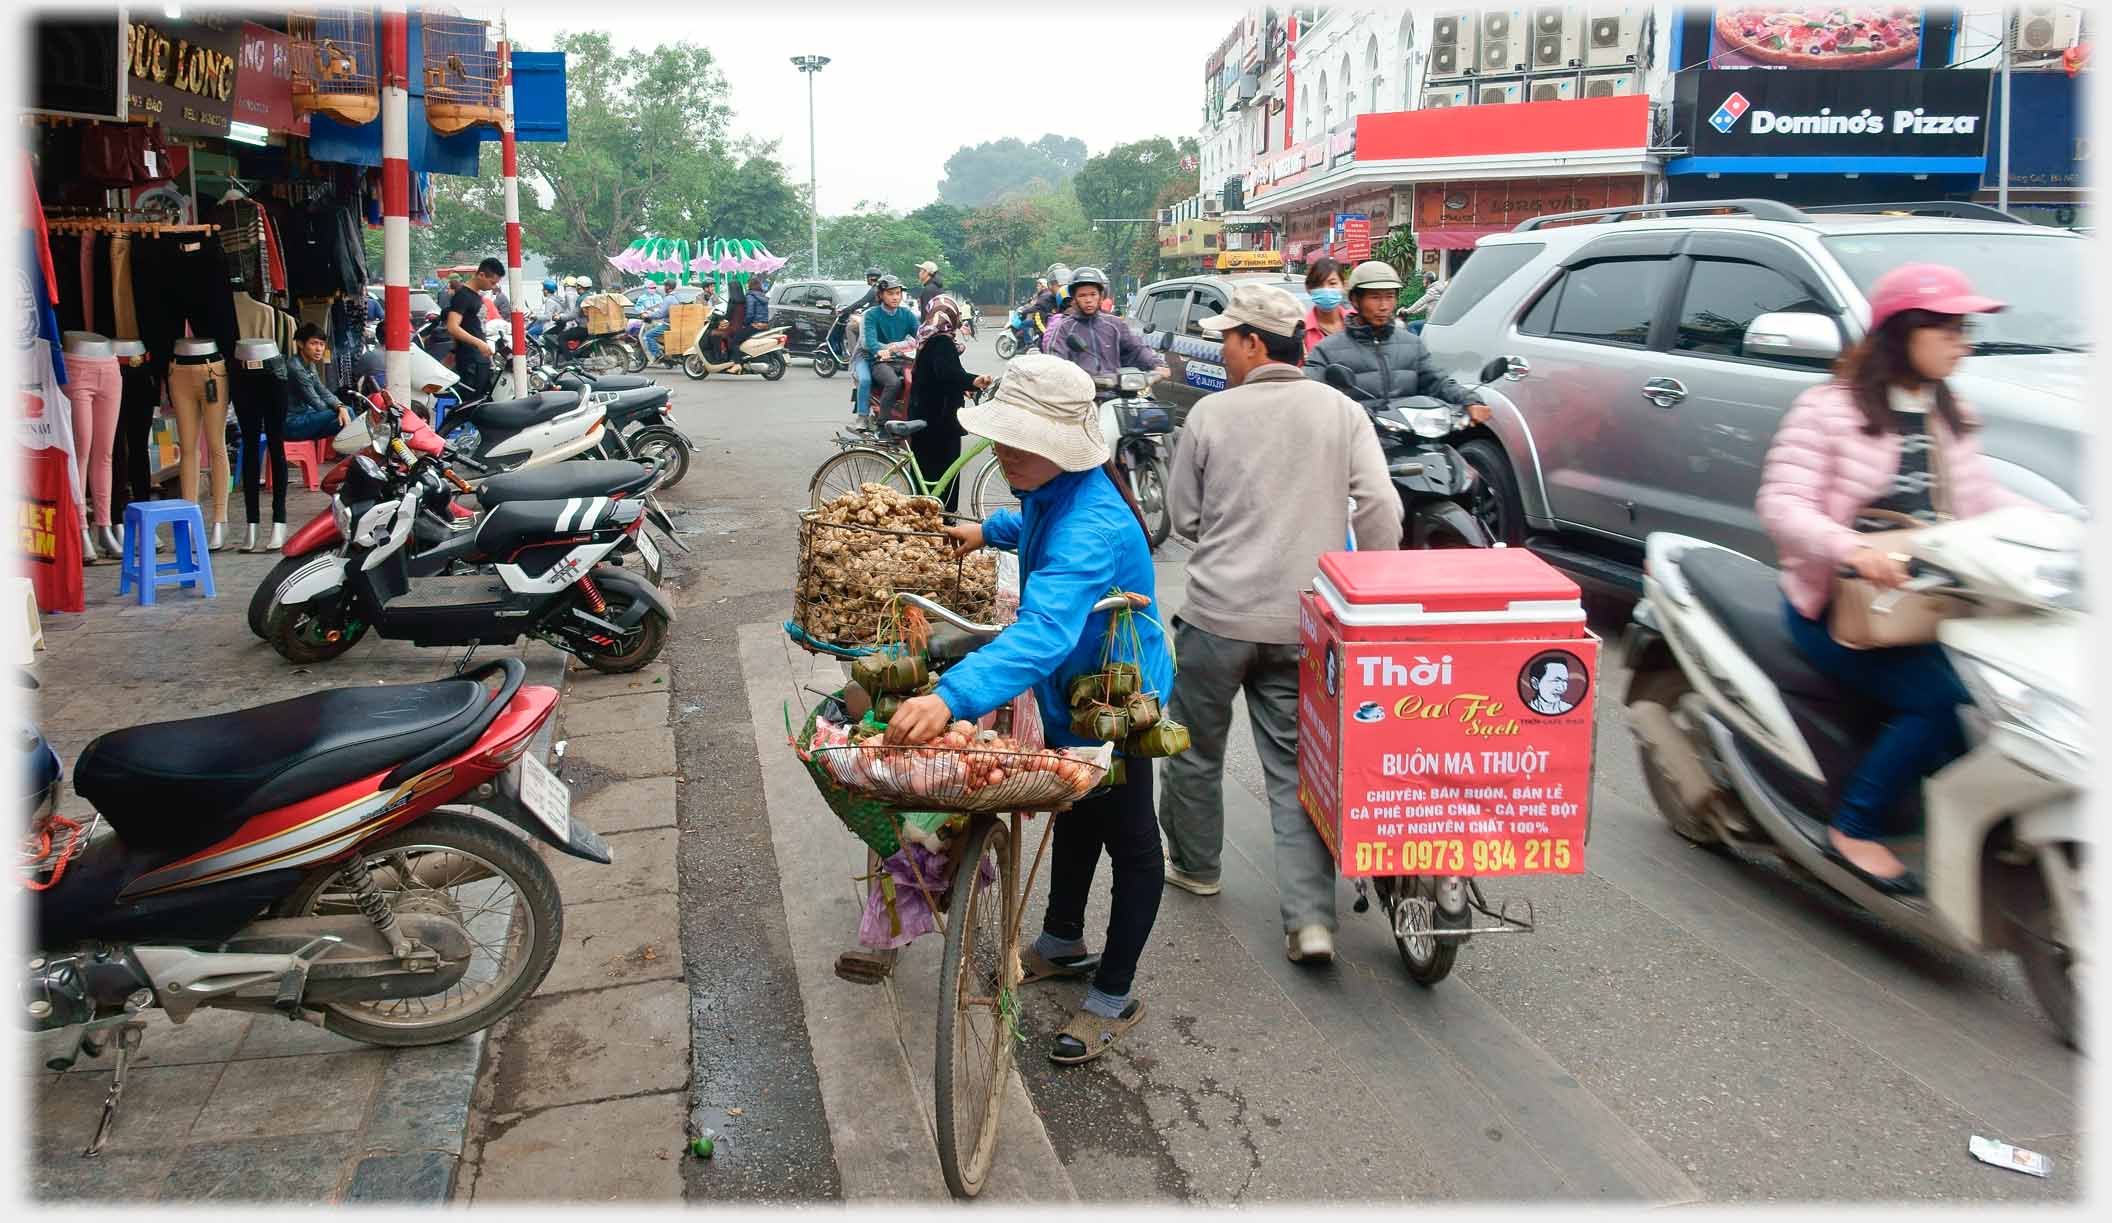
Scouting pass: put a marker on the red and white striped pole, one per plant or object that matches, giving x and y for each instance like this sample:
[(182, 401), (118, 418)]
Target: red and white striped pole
[(396, 196), (510, 167)]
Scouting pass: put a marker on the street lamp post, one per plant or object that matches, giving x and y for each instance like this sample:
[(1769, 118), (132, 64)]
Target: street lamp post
[(812, 65)]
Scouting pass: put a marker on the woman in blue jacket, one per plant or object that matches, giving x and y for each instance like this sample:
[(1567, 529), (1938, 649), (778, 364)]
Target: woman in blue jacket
[(1079, 538)]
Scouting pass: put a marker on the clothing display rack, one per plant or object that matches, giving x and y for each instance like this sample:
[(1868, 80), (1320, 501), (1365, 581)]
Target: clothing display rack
[(111, 225)]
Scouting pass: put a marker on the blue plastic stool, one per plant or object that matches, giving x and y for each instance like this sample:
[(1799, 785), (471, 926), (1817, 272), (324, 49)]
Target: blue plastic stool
[(193, 564)]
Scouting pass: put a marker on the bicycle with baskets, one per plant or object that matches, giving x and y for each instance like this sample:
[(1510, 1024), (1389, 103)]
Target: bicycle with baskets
[(971, 801), (887, 459)]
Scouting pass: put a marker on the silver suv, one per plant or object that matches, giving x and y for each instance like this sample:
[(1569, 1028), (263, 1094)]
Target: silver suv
[(1651, 360)]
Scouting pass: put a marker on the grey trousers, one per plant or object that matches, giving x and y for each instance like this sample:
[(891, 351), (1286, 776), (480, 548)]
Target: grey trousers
[(1213, 670)]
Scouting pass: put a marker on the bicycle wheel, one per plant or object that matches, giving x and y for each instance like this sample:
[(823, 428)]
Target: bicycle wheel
[(978, 1005), (991, 492), (861, 465)]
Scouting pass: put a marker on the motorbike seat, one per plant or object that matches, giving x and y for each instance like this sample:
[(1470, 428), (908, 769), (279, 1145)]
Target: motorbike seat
[(609, 384), (1745, 597), (515, 526), (559, 481), (181, 786), (514, 415), (904, 428), (630, 406)]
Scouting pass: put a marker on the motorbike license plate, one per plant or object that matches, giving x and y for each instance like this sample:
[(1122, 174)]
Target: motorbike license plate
[(547, 799), (650, 551)]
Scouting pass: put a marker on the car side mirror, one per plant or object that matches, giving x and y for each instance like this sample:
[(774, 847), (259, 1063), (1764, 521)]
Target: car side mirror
[(1793, 333)]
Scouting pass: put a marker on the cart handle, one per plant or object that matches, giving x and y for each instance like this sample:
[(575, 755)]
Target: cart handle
[(1110, 603)]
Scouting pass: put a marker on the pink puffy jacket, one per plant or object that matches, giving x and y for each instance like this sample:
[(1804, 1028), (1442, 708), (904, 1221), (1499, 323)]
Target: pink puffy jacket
[(1822, 470)]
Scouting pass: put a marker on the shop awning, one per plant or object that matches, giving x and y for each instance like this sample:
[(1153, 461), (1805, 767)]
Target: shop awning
[(1457, 238)]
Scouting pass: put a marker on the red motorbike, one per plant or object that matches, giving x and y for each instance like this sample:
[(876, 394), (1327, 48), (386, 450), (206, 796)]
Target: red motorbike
[(320, 859)]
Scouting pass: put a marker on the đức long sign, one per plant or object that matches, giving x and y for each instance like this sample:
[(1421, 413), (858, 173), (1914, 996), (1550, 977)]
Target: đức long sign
[(1852, 116), (181, 74)]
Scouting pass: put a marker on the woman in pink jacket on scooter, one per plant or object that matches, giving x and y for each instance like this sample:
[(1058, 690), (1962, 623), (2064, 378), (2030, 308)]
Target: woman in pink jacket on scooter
[(1885, 434)]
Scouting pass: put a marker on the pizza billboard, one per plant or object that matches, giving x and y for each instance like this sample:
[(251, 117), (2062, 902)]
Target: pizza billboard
[(1843, 115), (1826, 38)]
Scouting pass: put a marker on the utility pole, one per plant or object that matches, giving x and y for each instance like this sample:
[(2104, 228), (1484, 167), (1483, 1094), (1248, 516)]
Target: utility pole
[(812, 65), (2008, 116)]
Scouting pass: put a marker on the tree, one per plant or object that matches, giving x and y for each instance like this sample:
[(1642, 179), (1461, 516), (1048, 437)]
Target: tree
[(753, 200), (957, 263), (984, 173), (1005, 232), (1120, 189), (873, 236)]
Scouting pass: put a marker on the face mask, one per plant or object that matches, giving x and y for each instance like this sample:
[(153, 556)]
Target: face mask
[(1328, 299)]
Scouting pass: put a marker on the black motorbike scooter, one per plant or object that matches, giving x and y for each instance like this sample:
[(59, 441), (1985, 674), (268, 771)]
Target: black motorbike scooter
[(548, 581), (1439, 489), (640, 423)]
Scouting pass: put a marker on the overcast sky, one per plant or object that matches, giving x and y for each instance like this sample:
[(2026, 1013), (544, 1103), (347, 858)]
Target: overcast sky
[(911, 81)]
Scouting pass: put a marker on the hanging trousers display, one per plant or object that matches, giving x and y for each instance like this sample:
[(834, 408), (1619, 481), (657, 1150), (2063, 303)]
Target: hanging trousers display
[(135, 428), (198, 392), (260, 411), (126, 320), (95, 271), (93, 385), (178, 281), (65, 264)]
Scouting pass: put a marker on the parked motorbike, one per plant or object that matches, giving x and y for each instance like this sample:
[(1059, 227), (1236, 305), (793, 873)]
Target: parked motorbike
[(550, 584), (640, 423), (338, 860), (443, 538), (1440, 490), (1133, 426), (1745, 743), (617, 350), (762, 353)]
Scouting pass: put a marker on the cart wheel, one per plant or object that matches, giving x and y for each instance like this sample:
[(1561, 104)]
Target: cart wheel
[(1427, 959), (978, 1004)]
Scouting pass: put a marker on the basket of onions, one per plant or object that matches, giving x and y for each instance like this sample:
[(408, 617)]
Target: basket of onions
[(963, 769)]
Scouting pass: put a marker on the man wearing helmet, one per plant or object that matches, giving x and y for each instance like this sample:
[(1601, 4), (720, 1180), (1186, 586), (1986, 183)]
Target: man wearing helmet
[(890, 336), (1383, 359), (1094, 339), (1049, 299)]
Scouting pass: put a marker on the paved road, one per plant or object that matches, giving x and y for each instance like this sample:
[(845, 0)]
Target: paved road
[(1684, 1027)]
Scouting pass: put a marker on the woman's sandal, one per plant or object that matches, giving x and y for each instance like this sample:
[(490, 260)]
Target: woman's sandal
[(1087, 1035), (1038, 967)]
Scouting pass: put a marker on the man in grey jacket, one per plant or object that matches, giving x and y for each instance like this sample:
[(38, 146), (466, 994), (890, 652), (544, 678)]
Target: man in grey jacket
[(1263, 481), (1384, 359)]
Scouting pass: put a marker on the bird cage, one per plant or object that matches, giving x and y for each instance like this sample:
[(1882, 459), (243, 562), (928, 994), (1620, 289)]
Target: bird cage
[(461, 73), (336, 63)]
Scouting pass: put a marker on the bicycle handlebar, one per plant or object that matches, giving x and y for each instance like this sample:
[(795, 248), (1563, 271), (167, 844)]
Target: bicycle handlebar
[(1110, 603)]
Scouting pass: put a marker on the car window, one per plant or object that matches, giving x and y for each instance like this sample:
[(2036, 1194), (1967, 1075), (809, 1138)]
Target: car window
[(1208, 303), (1610, 302), (1163, 311), (1490, 266), (1724, 296)]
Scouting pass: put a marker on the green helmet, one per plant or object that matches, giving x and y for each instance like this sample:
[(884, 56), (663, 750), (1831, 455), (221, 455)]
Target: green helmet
[(1375, 275)]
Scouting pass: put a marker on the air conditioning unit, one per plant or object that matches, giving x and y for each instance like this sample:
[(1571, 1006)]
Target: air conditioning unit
[(1498, 93), (1452, 44), (1448, 95), (1612, 35), (1503, 41), (1213, 206), (1552, 89), (1557, 40), (1610, 84), (2043, 31)]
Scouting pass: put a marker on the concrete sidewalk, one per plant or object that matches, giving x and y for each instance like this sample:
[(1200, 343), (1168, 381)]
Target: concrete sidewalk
[(227, 1106)]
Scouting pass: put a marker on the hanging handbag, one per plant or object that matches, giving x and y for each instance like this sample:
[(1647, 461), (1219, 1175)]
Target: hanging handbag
[(1867, 616)]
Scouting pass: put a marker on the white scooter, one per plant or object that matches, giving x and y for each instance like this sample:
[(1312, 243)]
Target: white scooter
[(762, 353), (492, 436), (1745, 742)]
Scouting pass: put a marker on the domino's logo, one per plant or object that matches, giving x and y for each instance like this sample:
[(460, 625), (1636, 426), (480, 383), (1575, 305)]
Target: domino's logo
[(1728, 114)]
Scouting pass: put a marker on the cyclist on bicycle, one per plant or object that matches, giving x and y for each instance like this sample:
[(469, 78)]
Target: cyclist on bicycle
[(1105, 344), (1079, 536), (890, 340)]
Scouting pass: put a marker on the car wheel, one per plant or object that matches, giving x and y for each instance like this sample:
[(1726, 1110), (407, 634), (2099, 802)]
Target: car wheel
[(1500, 506)]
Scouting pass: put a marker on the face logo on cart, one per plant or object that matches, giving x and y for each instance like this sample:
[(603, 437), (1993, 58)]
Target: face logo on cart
[(1553, 683)]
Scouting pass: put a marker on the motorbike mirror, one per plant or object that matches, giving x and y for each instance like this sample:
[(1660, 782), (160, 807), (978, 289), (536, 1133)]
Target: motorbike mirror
[(1075, 344), (1338, 378)]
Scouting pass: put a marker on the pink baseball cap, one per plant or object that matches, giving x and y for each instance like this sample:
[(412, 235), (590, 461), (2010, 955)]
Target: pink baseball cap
[(1926, 286)]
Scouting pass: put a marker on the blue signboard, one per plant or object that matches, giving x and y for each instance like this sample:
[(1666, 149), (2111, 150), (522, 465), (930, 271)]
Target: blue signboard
[(2047, 152)]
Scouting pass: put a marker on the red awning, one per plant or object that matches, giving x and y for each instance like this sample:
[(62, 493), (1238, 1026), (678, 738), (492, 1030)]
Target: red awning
[(1460, 238)]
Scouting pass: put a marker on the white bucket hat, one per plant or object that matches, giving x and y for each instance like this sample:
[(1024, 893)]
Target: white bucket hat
[(1044, 405)]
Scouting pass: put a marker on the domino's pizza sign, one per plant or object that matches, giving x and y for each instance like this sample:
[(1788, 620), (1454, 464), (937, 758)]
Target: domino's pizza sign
[(1728, 114), (1936, 117)]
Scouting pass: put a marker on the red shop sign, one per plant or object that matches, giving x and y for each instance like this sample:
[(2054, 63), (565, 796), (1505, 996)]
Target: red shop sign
[(264, 82)]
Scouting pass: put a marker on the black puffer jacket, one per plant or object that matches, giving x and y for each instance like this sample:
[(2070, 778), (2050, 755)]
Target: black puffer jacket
[(1383, 362)]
